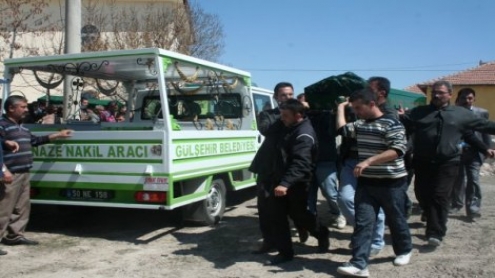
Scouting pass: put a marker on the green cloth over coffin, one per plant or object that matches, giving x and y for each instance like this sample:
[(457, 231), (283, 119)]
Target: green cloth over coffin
[(323, 94)]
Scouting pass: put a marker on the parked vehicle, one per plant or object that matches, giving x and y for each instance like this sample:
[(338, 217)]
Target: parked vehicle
[(188, 137)]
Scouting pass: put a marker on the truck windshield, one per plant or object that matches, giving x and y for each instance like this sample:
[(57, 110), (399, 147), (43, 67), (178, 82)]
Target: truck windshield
[(190, 107)]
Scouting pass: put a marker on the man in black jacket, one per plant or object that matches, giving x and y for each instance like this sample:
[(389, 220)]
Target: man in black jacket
[(263, 164), (438, 129), (295, 157)]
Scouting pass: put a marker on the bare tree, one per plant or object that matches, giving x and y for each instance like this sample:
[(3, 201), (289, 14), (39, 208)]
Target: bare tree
[(180, 27), (26, 29), (16, 19), (33, 28), (208, 34)]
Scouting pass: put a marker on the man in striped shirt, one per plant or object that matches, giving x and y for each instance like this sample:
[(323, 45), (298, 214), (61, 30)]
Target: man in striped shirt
[(15, 203), (381, 174)]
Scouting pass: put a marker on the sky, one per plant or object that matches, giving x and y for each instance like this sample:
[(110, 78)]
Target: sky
[(304, 41)]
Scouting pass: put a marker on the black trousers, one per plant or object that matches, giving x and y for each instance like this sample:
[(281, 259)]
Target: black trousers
[(274, 212), (433, 186)]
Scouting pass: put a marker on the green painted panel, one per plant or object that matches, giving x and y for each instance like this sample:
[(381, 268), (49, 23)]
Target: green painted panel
[(86, 173), (100, 160), (212, 140), (184, 175), (107, 141), (87, 185), (208, 158)]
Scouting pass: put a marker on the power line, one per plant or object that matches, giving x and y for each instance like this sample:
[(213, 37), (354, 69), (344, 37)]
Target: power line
[(399, 69), (340, 70)]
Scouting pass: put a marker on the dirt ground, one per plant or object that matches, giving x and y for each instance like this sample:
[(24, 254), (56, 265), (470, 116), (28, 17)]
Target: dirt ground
[(96, 242)]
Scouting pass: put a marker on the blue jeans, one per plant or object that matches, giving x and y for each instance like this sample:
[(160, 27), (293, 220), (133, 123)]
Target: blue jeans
[(325, 179), (348, 184), (371, 195)]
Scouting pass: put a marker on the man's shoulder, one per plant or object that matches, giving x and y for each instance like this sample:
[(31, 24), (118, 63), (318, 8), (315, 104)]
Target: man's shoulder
[(387, 109), (389, 119), (480, 110), (426, 107), (305, 128), (4, 122)]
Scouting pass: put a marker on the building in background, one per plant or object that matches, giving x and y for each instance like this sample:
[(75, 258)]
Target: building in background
[(480, 78)]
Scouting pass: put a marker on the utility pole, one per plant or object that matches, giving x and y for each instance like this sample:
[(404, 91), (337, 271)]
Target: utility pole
[(72, 45)]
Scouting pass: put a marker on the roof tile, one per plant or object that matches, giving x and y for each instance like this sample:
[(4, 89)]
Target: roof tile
[(484, 74)]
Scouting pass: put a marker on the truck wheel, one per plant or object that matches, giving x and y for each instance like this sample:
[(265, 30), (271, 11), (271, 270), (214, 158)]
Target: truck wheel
[(210, 211)]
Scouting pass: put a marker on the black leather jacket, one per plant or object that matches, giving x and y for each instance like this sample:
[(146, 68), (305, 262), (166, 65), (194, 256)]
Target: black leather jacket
[(438, 132), (298, 150)]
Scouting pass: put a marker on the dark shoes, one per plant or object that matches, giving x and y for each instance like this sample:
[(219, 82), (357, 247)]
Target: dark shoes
[(265, 248), (454, 210), (303, 235), (279, 259), (323, 239), (19, 241), (473, 215), (3, 252)]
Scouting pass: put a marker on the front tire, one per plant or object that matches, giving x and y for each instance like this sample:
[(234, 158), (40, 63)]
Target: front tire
[(210, 211)]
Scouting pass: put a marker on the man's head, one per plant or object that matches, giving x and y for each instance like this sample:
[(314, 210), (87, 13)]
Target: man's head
[(99, 108), (112, 106), (441, 93), (466, 97), (120, 117), (380, 86), (283, 91), (291, 112), (84, 102), (16, 107), (364, 103)]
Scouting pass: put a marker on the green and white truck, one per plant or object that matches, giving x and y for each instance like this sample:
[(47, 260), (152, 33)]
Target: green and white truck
[(189, 136)]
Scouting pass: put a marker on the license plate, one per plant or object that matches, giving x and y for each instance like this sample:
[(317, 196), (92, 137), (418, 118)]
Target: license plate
[(87, 194)]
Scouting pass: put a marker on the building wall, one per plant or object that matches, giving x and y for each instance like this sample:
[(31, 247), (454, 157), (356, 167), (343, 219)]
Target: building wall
[(485, 96)]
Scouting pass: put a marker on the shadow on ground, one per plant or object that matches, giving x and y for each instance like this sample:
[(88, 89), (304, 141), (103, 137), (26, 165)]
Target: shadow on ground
[(116, 223)]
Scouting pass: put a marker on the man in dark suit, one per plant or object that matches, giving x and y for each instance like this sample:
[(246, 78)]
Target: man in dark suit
[(438, 130), (471, 160)]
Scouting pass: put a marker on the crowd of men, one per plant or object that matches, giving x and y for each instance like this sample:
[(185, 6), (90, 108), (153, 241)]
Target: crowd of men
[(40, 112), (365, 180)]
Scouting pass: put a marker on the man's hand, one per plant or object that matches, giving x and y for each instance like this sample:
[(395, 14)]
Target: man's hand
[(65, 133), (280, 191), (490, 153), (7, 176), (342, 105), (358, 170), (12, 145), (305, 104), (340, 120)]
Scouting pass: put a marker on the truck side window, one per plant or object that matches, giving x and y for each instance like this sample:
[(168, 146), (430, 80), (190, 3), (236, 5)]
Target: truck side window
[(152, 108), (261, 103), (187, 108)]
